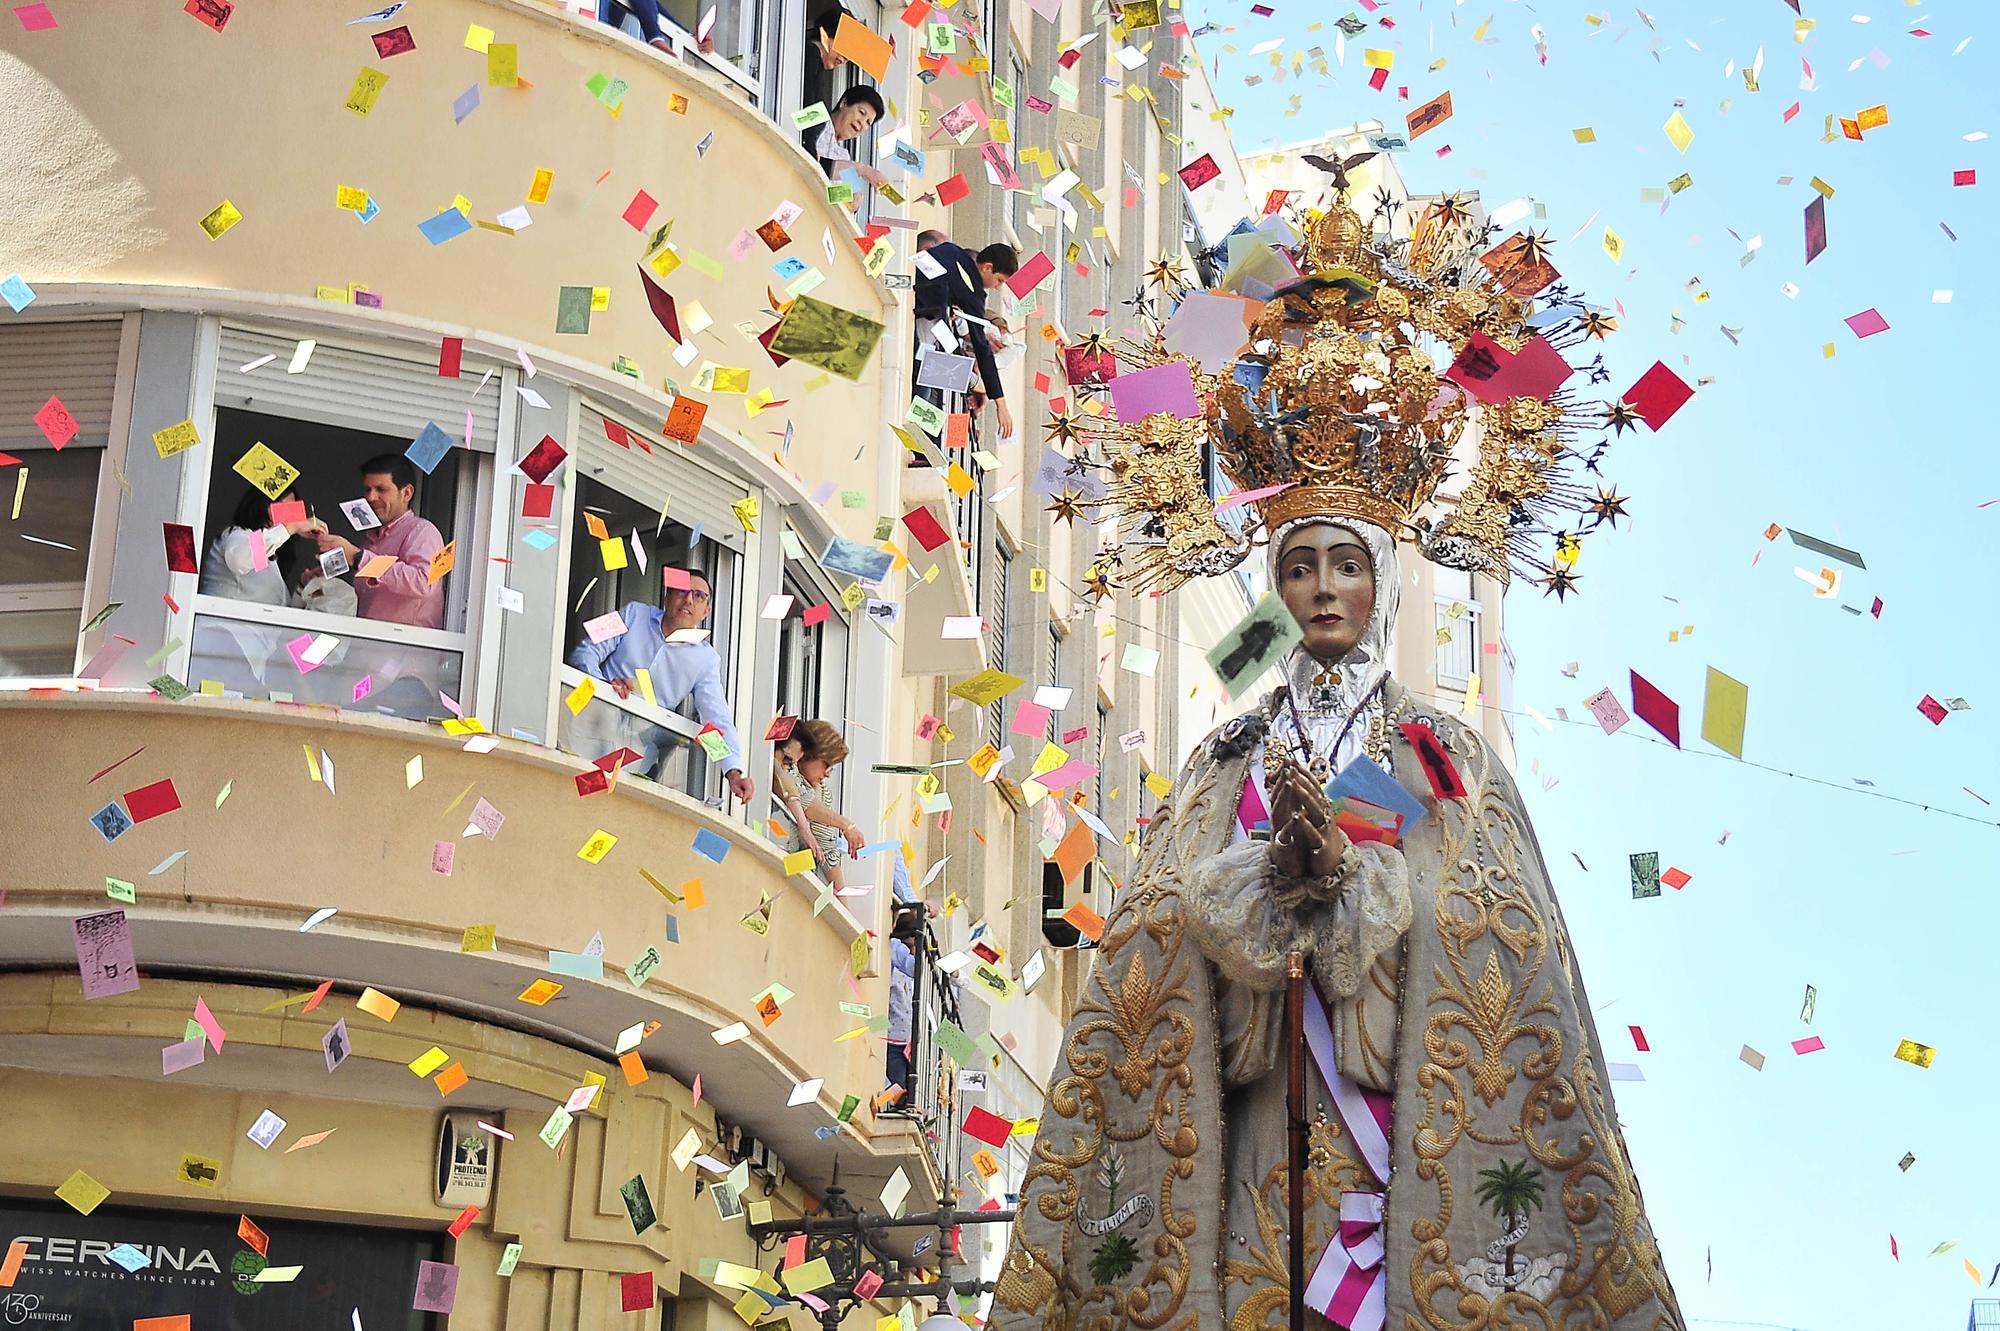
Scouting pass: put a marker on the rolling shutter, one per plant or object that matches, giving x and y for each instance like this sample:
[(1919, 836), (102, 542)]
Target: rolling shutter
[(381, 391), (668, 477), (77, 362)]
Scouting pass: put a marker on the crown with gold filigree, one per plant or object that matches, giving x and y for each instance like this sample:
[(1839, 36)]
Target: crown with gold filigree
[(1415, 383)]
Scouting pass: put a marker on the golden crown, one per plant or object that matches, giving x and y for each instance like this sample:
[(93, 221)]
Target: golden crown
[(1338, 407)]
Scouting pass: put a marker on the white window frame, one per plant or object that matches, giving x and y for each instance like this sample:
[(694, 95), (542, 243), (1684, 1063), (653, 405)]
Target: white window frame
[(94, 591), (733, 620), (1465, 638), (1058, 642), (756, 89), (1000, 573), (474, 527), (835, 677)]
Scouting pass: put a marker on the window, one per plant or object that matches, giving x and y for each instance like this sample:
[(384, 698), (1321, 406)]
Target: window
[(1057, 898), (734, 42), (292, 617), (812, 659), (641, 542), (817, 82), (868, 147), (1000, 569), (647, 504), (45, 552), (969, 512), (1056, 636), (1103, 755), (1457, 621), (1017, 75), (42, 576), (1064, 272)]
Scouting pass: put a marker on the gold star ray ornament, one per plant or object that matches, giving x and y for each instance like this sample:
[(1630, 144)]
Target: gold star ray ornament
[(1068, 506), (1559, 583), (1608, 507), (1621, 416)]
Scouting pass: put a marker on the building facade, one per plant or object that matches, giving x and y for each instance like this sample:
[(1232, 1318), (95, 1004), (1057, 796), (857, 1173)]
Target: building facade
[(250, 264)]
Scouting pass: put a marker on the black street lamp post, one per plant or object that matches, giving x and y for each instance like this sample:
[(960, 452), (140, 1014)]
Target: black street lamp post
[(847, 1238)]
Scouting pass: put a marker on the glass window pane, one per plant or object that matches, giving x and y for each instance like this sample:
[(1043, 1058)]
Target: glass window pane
[(605, 725), (1456, 656), (997, 635), (43, 559), (735, 39), (56, 508), (38, 642), (256, 660)]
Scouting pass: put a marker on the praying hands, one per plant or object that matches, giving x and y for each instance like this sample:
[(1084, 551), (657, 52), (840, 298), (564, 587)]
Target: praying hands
[(1305, 843)]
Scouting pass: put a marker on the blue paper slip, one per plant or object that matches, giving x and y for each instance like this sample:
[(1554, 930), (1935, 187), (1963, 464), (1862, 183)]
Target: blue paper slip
[(17, 293), (451, 222), (857, 560), (428, 448), (1363, 779), (710, 845)]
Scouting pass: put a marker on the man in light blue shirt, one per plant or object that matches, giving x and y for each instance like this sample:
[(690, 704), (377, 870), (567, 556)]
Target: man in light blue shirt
[(677, 669)]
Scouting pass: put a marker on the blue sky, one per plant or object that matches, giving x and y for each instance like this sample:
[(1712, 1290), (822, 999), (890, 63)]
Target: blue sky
[(1789, 1175)]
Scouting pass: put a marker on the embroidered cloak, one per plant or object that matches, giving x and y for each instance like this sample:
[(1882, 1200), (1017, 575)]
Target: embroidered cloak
[(1511, 1202)]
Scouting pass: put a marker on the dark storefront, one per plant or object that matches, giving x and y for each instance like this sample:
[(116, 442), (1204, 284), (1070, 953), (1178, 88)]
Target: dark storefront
[(199, 1266)]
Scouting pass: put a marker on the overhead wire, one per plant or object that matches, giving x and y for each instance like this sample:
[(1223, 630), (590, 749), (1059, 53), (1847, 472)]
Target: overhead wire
[(1869, 792)]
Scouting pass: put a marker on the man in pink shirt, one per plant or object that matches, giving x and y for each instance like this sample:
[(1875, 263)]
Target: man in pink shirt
[(404, 593)]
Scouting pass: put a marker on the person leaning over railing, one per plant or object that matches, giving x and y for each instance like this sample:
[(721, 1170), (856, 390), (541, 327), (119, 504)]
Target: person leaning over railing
[(847, 120), (243, 565), (677, 669), (786, 795), (962, 287), (647, 14), (825, 749)]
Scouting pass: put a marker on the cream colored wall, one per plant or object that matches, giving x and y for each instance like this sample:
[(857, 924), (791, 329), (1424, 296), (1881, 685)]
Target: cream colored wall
[(126, 167), (150, 153), (378, 1165), (282, 847), (998, 873)]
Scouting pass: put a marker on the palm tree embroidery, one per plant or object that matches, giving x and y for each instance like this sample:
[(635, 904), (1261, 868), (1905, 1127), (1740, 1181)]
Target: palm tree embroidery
[(1511, 1190)]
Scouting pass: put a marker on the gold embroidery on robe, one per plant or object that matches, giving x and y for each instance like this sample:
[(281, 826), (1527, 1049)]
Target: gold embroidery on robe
[(1495, 1073)]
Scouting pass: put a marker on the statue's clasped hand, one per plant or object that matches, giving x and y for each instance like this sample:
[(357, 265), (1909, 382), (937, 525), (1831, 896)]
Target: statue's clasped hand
[(1310, 856)]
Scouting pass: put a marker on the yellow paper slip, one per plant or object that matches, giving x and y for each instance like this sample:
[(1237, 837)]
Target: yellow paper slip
[(378, 1004), (424, 1064), (808, 1276), (83, 1192)]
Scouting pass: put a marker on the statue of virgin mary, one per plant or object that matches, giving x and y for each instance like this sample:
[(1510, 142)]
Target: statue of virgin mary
[(1465, 1167)]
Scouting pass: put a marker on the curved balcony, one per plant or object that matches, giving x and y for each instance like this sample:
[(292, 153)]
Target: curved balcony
[(259, 844), (130, 166)]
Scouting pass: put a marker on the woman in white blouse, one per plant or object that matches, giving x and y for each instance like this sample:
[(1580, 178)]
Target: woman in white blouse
[(242, 565)]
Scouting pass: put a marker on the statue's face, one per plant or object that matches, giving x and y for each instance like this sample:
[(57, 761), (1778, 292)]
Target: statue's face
[(1326, 581)]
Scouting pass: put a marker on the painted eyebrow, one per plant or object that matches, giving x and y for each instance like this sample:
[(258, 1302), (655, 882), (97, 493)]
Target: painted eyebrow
[(1290, 550)]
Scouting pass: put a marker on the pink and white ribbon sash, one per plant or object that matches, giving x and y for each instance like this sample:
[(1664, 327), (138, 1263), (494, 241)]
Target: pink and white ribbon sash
[(1251, 810), (1364, 1113), (1348, 1284)]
